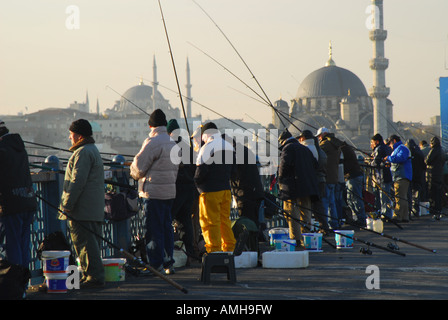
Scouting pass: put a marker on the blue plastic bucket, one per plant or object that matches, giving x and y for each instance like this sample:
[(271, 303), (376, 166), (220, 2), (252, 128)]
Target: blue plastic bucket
[(312, 241), (278, 234), (344, 239), (56, 282)]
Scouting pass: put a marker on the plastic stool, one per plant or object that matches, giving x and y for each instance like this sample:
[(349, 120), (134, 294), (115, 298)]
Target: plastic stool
[(218, 262), (223, 262)]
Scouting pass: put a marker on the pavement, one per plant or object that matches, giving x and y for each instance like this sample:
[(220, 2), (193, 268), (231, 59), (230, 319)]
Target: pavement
[(418, 270)]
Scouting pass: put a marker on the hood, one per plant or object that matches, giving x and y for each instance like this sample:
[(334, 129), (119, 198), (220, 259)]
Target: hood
[(13, 141)]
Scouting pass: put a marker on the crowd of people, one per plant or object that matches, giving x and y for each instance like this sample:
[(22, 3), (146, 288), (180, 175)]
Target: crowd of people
[(335, 181), (319, 176)]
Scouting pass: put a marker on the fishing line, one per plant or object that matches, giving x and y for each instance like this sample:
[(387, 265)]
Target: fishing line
[(341, 234), (268, 103), (174, 67), (128, 100), (241, 58), (66, 150), (210, 109)]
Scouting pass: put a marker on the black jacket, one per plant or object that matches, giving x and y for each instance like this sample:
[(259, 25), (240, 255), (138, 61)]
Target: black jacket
[(352, 169), (16, 188), (418, 163), (214, 173), (382, 173), (435, 161), (297, 173), (246, 182)]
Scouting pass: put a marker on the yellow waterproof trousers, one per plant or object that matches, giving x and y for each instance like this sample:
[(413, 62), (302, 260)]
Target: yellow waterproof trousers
[(214, 218)]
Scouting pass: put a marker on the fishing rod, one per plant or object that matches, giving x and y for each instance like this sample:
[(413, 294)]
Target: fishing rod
[(66, 150), (440, 212), (244, 62), (174, 68), (121, 250), (210, 109), (306, 225), (368, 243), (268, 103), (106, 181), (239, 55), (393, 237)]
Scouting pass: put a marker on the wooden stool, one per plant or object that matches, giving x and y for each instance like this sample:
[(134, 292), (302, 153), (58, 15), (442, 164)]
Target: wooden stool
[(218, 262)]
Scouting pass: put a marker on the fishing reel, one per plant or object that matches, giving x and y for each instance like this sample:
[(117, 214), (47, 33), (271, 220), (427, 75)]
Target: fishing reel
[(393, 246), (365, 251)]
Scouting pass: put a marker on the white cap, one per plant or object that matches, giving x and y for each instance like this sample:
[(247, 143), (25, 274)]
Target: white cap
[(322, 130)]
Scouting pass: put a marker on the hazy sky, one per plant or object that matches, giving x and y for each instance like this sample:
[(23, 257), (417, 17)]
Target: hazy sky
[(47, 60)]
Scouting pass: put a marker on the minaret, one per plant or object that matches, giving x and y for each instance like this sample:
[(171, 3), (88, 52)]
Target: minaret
[(97, 108), (379, 64), (188, 91), (154, 83), (87, 106)]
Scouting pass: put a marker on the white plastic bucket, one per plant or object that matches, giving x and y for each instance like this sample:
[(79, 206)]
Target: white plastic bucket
[(56, 282), (344, 239), (114, 269), (278, 234), (55, 261), (312, 241), (374, 224)]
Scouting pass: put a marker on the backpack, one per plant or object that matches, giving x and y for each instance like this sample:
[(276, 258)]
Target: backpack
[(55, 241), (120, 205), (13, 280)]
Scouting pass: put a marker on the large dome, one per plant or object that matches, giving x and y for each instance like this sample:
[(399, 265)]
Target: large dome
[(140, 95), (331, 81)]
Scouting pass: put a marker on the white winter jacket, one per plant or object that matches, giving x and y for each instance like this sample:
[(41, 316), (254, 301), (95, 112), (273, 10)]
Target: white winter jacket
[(153, 167)]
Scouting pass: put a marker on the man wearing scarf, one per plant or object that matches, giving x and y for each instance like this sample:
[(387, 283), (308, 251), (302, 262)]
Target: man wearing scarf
[(83, 201)]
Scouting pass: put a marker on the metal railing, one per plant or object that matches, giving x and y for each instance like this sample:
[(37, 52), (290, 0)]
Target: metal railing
[(47, 183)]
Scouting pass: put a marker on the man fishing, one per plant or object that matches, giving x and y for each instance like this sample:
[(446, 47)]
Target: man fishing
[(83, 200), (401, 170), (18, 203)]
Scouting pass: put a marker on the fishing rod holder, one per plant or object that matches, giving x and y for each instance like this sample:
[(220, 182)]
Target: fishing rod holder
[(393, 246), (366, 251)]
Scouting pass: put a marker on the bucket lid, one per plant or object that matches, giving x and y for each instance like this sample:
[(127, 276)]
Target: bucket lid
[(53, 254), (56, 276), (278, 230), (344, 231), (114, 260)]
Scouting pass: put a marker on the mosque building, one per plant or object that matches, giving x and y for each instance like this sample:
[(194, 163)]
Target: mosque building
[(336, 98)]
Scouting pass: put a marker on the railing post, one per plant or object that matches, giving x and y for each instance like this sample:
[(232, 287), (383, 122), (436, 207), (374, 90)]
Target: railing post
[(51, 191)]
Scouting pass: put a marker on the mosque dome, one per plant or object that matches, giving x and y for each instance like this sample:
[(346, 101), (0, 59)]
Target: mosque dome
[(140, 95), (331, 81)]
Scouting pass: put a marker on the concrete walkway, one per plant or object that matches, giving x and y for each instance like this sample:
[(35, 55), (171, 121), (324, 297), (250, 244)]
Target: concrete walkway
[(331, 275)]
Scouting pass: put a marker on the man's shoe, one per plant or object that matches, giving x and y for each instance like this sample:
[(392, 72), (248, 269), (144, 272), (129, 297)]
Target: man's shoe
[(92, 284), (170, 270)]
